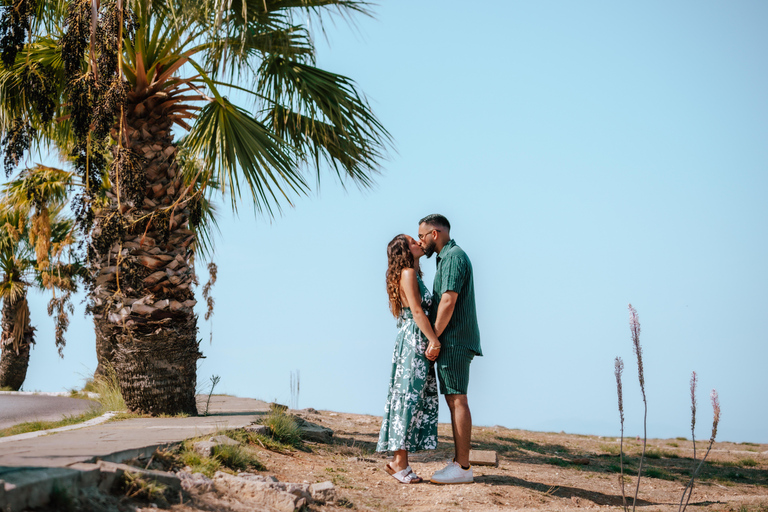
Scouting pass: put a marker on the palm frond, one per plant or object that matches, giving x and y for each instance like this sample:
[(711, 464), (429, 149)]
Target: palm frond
[(322, 142), (320, 111), (232, 142), (39, 185), (200, 186)]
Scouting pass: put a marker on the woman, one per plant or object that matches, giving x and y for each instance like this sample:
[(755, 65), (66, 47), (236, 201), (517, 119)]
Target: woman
[(410, 414)]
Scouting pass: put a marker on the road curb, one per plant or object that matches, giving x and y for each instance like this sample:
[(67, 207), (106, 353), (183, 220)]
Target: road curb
[(51, 393), (34, 487), (37, 433)]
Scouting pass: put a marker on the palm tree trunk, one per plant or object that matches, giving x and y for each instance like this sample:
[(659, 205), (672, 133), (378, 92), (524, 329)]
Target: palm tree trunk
[(145, 324), (13, 362)]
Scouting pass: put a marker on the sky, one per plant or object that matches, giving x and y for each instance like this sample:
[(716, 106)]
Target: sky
[(587, 154)]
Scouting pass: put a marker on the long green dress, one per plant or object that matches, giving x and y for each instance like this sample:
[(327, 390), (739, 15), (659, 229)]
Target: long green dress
[(410, 414)]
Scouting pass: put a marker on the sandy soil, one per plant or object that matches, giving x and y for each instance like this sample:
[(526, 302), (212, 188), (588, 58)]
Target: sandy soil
[(537, 471)]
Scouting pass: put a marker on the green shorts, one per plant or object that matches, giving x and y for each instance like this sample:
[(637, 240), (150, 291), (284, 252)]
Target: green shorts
[(453, 370)]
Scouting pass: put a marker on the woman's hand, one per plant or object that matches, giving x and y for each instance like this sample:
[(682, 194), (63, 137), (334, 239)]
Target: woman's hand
[(433, 350)]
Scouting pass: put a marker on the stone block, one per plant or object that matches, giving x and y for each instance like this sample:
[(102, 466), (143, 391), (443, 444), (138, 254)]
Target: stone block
[(483, 458), (260, 494), (314, 432), (259, 478), (204, 448), (195, 481), (222, 439), (323, 492), (258, 429), (90, 474), (114, 470)]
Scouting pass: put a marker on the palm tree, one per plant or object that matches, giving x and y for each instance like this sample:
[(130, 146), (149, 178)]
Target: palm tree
[(124, 83), (34, 239), (18, 335)]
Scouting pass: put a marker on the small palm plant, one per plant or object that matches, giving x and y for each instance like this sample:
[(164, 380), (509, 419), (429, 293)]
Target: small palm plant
[(35, 250), (18, 335)]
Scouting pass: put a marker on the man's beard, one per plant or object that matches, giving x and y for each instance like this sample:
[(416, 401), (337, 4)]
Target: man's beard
[(429, 248)]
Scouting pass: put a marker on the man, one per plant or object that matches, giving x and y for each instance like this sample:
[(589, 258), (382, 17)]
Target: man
[(455, 319)]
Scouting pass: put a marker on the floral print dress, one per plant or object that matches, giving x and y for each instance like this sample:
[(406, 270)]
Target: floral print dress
[(410, 414)]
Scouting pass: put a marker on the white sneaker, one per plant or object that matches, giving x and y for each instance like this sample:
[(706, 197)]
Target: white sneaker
[(453, 474)]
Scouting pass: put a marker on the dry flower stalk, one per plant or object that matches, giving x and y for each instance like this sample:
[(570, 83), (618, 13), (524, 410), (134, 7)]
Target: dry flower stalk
[(715, 421), (634, 326), (618, 370)]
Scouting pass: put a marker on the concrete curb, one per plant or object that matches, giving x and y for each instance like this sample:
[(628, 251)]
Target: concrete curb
[(51, 393), (29, 435), (32, 471), (34, 487)]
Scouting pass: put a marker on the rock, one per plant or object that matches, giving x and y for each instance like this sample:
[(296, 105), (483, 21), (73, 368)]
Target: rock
[(314, 432), (483, 458), (258, 429), (258, 478), (263, 494), (221, 439), (310, 410), (204, 448), (110, 471), (581, 461), (323, 492), (195, 481)]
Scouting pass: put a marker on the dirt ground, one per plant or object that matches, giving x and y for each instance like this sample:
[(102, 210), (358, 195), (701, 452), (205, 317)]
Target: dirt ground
[(537, 471)]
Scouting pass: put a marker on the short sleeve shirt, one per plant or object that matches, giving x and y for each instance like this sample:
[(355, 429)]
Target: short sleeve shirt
[(454, 273)]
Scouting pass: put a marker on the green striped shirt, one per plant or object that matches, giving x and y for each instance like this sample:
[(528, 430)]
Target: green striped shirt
[(454, 273)]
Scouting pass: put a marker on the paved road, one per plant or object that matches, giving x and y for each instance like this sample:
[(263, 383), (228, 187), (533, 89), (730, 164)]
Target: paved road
[(15, 409)]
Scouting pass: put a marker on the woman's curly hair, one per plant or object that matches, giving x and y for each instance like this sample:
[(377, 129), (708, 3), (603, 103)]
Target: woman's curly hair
[(399, 256)]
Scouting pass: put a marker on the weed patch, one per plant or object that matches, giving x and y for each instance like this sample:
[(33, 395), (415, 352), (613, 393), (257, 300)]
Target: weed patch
[(237, 458)]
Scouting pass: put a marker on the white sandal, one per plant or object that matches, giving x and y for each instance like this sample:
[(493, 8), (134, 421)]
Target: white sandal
[(406, 476)]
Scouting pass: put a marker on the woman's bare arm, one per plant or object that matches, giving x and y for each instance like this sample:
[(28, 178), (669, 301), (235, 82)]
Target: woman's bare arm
[(409, 285)]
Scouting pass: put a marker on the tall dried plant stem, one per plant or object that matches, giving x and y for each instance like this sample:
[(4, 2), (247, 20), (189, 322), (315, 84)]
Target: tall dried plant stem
[(618, 370), (634, 325), (689, 488), (715, 421)]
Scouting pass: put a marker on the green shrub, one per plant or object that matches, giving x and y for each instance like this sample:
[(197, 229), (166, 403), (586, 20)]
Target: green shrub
[(208, 466), (108, 389), (653, 454), (137, 486), (283, 428), (237, 458)]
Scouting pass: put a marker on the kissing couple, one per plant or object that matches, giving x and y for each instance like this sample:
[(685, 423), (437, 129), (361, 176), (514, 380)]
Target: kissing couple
[(437, 334)]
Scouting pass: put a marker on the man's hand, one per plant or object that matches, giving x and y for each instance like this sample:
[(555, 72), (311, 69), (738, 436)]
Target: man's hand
[(432, 352)]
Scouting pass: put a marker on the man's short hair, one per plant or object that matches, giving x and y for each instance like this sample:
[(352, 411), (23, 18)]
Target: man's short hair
[(436, 220)]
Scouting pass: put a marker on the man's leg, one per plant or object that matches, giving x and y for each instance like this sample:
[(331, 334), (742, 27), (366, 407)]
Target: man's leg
[(461, 422)]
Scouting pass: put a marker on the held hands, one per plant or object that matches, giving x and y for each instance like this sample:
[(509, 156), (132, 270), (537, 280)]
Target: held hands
[(433, 350)]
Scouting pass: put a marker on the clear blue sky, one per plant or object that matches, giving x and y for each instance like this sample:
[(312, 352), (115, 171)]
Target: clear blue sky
[(588, 155)]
